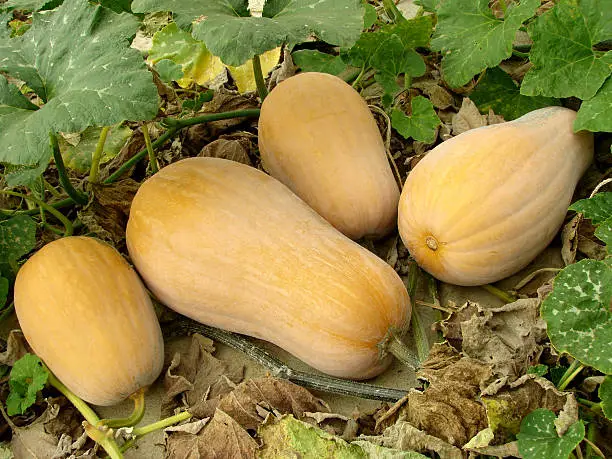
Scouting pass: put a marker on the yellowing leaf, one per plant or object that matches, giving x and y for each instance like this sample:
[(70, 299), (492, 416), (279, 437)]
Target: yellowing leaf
[(243, 75), (197, 63)]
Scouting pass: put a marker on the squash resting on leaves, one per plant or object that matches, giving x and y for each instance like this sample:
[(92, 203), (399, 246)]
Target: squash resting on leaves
[(231, 247), (481, 206), (318, 136), (86, 314)]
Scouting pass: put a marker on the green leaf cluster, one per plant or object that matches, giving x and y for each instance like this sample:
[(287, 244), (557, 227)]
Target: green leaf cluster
[(27, 378)]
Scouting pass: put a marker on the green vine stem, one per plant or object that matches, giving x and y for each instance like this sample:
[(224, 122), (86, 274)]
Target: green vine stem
[(56, 213), (149, 428), (68, 202), (77, 196), (593, 446), (134, 418), (50, 188), (97, 156), (151, 152), (106, 441), (504, 296), (278, 369), (175, 126), (574, 369), (259, 78)]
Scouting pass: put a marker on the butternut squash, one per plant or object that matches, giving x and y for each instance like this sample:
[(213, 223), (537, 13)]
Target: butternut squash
[(481, 206), (318, 136), (86, 314), (231, 247)]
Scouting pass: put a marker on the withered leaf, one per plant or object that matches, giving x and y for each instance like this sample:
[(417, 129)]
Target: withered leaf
[(451, 326), (16, 347), (508, 404), (274, 395), (232, 149), (468, 117), (107, 213), (33, 441), (569, 240), (200, 378), (221, 437), (439, 96), (509, 338)]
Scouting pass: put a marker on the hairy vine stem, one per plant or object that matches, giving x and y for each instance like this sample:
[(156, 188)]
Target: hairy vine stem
[(279, 369), (262, 91), (77, 196)]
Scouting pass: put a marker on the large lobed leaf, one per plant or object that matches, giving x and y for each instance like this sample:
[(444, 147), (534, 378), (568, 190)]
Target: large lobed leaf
[(595, 114), (78, 61), (231, 34), (471, 38), (577, 313), (564, 61)]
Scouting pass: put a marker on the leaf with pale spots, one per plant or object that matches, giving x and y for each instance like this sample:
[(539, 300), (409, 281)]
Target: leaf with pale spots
[(539, 439), (605, 394), (577, 313), (77, 59), (229, 32), (597, 209), (604, 233), (595, 114), (17, 238)]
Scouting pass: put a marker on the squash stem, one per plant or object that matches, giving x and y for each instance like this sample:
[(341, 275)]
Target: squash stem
[(149, 428), (68, 202), (573, 371), (56, 213), (420, 334), (278, 369), (152, 158), (77, 196), (104, 438), (134, 418), (259, 78), (97, 156), (504, 296), (401, 352)]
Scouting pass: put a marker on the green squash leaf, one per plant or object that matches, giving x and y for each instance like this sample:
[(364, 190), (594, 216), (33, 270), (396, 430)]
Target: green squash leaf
[(78, 60), (370, 16), (17, 237), (538, 438), (498, 91), (393, 58), (605, 395), (595, 114), (471, 38), (539, 370), (604, 233), (168, 71), (414, 33), (577, 313), (361, 52), (315, 61), (597, 209), (229, 33), (27, 378), (564, 62), (421, 125)]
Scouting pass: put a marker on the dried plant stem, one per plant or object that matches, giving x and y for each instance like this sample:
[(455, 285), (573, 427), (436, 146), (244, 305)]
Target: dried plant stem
[(532, 275), (504, 296), (396, 171), (600, 186), (278, 369)]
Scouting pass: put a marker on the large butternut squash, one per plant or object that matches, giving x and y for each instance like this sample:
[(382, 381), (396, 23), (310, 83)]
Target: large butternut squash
[(482, 205), (318, 136), (232, 247), (86, 314)]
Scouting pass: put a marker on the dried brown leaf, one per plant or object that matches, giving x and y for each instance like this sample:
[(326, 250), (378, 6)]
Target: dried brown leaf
[(508, 338), (285, 70), (451, 326), (492, 118), (272, 394), (16, 347), (232, 149), (468, 117), (438, 95), (107, 213), (199, 378), (508, 404), (132, 146), (404, 436), (569, 240), (33, 441)]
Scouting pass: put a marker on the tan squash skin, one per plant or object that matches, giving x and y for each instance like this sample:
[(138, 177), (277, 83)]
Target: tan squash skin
[(318, 136), (481, 206), (230, 246), (87, 315)]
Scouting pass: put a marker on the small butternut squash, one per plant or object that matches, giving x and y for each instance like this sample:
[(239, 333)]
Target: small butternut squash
[(86, 314), (318, 136), (229, 246), (481, 206)]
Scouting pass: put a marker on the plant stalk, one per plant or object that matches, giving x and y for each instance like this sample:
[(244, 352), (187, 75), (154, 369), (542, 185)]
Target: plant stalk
[(77, 196), (152, 158), (56, 213), (134, 418), (574, 369), (504, 296), (149, 428), (107, 442), (278, 369), (259, 78), (97, 156)]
